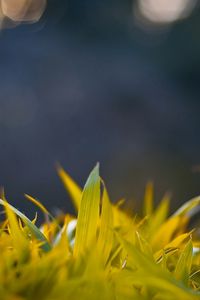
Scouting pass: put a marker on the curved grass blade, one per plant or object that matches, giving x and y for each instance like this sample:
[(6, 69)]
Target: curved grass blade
[(43, 209), (189, 209), (34, 230), (71, 186)]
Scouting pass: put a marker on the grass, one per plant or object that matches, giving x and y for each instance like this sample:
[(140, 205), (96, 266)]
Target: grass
[(103, 253)]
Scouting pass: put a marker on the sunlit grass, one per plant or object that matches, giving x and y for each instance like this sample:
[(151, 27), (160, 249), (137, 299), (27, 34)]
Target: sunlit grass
[(103, 253)]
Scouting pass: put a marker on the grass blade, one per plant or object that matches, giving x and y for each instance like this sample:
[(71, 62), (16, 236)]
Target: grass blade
[(88, 215), (71, 186), (34, 230)]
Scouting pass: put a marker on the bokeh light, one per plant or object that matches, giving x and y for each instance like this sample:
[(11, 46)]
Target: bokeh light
[(19, 11), (164, 11)]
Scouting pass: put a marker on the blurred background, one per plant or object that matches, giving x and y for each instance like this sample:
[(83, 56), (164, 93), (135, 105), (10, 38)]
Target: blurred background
[(114, 81)]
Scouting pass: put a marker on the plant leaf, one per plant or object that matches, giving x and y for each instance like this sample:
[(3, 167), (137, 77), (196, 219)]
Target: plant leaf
[(183, 267), (34, 230), (105, 238), (71, 186), (148, 199), (189, 208), (88, 215)]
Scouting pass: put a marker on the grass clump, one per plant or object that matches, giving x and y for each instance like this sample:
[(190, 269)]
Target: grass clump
[(103, 253)]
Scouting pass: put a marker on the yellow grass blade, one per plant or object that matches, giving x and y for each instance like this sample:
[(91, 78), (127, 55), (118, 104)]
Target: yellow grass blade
[(105, 239), (183, 267), (148, 199), (174, 244), (158, 216), (19, 241), (88, 215), (71, 186), (34, 230), (143, 245), (165, 232), (38, 204), (47, 214)]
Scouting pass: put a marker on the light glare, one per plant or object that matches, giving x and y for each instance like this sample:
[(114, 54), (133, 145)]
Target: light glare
[(165, 11)]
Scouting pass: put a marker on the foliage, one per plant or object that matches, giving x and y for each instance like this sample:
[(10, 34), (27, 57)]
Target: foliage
[(104, 253)]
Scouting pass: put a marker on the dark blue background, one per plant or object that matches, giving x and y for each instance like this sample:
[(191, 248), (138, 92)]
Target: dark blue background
[(86, 84)]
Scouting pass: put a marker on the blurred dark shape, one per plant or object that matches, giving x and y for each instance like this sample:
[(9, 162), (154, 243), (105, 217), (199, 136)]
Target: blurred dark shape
[(196, 169), (87, 84)]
